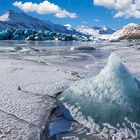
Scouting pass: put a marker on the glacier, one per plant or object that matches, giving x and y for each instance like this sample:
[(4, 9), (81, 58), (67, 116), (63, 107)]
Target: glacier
[(110, 97), (34, 35), (41, 35)]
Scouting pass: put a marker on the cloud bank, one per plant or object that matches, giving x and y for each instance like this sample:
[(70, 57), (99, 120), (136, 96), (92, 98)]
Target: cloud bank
[(122, 8), (44, 7)]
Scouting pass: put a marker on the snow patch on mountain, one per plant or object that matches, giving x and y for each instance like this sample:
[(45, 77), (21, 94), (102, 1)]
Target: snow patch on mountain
[(95, 31), (88, 31), (5, 17)]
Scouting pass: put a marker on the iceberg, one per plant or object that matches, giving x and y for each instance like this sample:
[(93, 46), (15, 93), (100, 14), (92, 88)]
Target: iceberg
[(110, 97)]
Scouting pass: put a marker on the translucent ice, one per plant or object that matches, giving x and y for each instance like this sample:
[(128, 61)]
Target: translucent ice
[(108, 97)]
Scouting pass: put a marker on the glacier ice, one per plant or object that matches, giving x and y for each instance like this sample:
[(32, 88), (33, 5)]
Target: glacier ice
[(28, 32), (6, 34), (109, 97), (39, 35)]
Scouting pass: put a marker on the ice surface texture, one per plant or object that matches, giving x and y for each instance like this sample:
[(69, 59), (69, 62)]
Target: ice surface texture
[(109, 97)]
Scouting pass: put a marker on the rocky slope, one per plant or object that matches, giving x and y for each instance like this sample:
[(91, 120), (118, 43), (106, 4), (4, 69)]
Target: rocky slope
[(130, 31)]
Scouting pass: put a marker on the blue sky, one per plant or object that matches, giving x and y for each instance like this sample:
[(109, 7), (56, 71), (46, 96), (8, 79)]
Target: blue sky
[(79, 12)]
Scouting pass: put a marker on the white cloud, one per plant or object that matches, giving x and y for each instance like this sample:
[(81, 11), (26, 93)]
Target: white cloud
[(123, 8), (84, 22), (105, 3), (27, 7), (44, 7), (64, 13), (96, 20)]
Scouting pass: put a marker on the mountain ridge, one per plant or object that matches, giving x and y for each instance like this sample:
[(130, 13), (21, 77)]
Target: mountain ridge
[(17, 20), (21, 20), (12, 19), (129, 31)]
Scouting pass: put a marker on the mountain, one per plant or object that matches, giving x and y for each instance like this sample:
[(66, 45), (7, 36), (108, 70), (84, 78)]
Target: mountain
[(95, 31), (130, 31), (15, 20), (104, 30)]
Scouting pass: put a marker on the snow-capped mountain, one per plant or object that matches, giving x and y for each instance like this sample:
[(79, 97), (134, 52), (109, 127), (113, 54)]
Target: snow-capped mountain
[(95, 31), (130, 31), (104, 30), (15, 20)]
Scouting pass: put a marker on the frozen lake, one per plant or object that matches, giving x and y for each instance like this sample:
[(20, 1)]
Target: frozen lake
[(22, 43), (31, 73)]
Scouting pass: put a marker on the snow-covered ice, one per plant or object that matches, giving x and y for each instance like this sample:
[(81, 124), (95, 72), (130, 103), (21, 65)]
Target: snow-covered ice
[(13, 128), (25, 90)]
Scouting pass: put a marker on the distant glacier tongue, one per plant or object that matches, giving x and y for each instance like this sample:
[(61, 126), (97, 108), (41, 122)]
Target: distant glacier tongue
[(109, 97)]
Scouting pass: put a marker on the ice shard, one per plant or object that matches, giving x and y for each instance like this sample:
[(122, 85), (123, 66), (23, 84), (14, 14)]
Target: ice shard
[(109, 97)]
